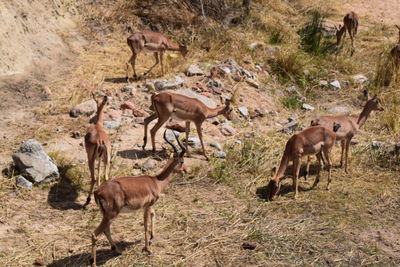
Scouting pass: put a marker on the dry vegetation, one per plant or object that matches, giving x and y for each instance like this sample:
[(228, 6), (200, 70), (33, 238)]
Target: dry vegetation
[(206, 216)]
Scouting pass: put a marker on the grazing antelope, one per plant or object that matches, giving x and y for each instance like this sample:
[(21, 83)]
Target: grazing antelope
[(181, 107), (134, 193), (350, 23), (395, 52), (98, 146), (349, 125), (310, 141), (147, 42)]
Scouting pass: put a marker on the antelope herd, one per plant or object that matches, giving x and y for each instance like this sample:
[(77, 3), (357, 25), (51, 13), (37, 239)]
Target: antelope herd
[(142, 192)]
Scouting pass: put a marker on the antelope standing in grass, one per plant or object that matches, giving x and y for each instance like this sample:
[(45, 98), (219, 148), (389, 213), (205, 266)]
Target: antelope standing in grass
[(171, 105), (350, 23), (134, 193), (395, 52), (151, 42), (350, 125), (98, 147), (310, 141)]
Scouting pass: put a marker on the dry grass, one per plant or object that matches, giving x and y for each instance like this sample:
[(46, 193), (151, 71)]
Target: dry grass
[(205, 222)]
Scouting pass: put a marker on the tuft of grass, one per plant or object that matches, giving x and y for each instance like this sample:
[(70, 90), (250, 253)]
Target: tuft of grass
[(311, 36), (291, 102)]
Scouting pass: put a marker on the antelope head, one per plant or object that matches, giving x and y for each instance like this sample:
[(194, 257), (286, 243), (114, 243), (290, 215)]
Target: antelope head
[(177, 157), (273, 189), (375, 104)]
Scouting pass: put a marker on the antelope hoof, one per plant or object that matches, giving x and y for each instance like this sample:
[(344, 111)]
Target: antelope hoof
[(148, 251), (91, 261), (327, 188)]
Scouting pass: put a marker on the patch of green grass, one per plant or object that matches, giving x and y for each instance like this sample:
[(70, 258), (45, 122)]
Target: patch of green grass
[(291, 102)]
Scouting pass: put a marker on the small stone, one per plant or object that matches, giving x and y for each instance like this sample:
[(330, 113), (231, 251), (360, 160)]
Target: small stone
[(249, 245), (172, 83), (150, 164), (24, 183), (376, 144), (307, 107), (359, 78), (335, 85), (128, 88), (244, 111), (238, 142), (112, 124), (227, 130), (254, 45), (323, 83), (219, 154), (194, 70), (253, 83), (290, 127), (194, 142), (150, 86), (216, 145), (293, 117), (85, 108)]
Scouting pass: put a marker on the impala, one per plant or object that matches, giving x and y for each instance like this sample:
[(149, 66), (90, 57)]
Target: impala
[(311, 141), (350, 126), (151, 42), (98, 146), (171, 105), (350, 23), (134, 193)]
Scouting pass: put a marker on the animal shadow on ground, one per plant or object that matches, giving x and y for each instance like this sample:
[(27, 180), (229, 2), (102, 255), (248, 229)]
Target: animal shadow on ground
[(83, 259), (141, 154), (116, 80), (62, 196)]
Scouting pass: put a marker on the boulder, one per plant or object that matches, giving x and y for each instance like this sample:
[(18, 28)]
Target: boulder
[(85, 108), (33, 162), (22, 182), (171, 83), (194, 70)]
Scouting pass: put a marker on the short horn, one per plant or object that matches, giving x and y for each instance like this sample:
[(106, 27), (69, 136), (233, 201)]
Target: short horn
[(166, 140), (179, 142)]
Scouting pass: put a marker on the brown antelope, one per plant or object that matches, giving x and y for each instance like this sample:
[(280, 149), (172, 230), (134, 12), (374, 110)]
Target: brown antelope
[(311, 141), (98, 147), (350, 23), (147, 42), (395, 52), (181, 107), (349, 125), (134, 193)]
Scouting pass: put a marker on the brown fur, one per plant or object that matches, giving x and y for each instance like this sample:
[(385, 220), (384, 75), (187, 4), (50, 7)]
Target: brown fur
[(349, 125), (311, 141), (350, 23), (149, 41), (185, 108), (134, 193), (98, 147)]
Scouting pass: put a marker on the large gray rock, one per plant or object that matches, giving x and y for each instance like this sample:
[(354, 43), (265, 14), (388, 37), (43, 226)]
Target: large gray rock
[(22, 182), (207, 101), (339, 110), (112, 124), (33, 162), (194, 70), (171, 83), (85, 108)]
